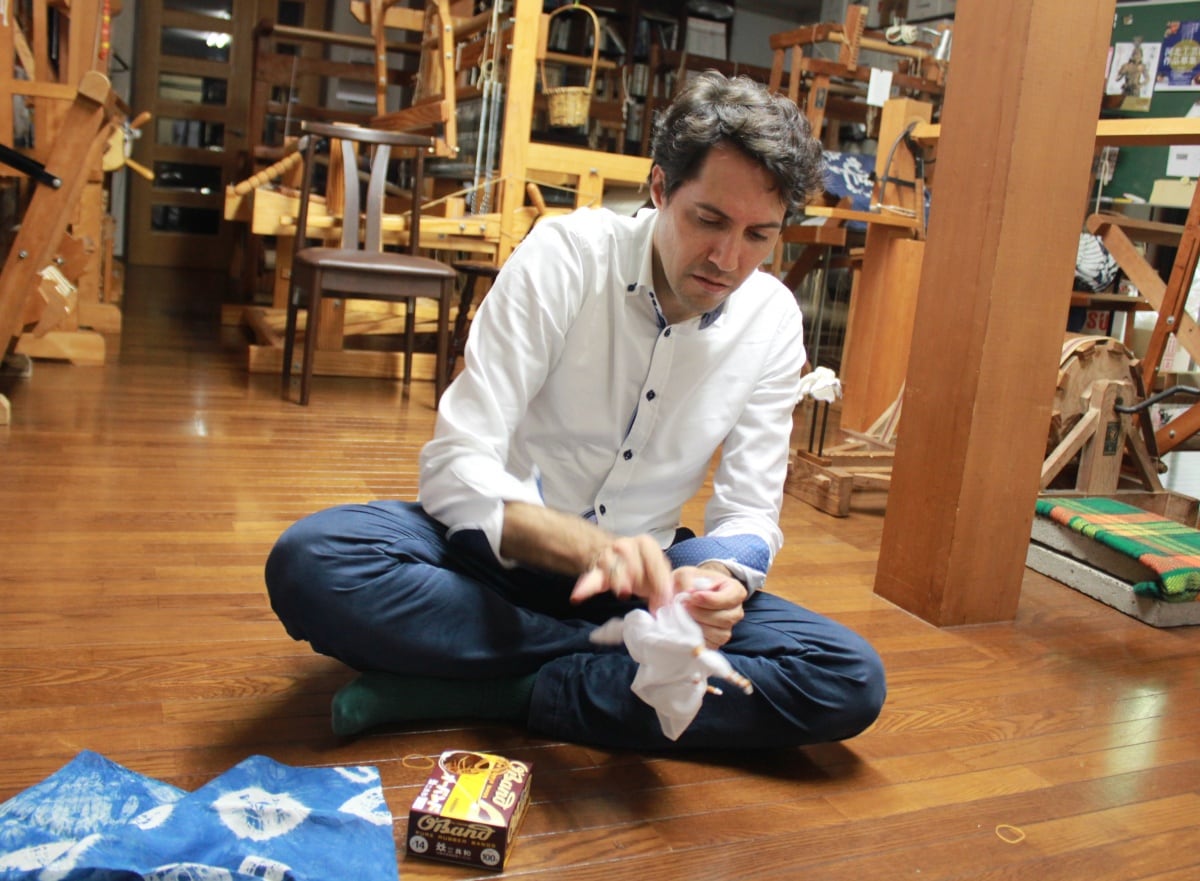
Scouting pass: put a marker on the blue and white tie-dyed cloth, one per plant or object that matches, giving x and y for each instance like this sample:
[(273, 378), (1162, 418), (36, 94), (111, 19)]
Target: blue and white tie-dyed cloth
[(853, 175), (94, 820), (850, 174)]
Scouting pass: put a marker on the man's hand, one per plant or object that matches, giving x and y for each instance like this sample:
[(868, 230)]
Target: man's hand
[(558, 542), (634, 566), (714, 599)]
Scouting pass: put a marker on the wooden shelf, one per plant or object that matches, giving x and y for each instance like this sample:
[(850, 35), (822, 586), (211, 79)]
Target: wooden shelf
[(1117, 132)]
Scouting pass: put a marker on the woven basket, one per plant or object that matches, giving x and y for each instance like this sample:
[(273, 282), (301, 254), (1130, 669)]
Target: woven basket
[(568, 105)]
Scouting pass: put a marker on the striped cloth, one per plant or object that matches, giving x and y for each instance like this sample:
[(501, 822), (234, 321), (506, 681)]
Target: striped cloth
[(1170, 549)]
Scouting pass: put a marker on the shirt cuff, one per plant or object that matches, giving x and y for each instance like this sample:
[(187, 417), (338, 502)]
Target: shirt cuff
[(751, 579), (745, 556)]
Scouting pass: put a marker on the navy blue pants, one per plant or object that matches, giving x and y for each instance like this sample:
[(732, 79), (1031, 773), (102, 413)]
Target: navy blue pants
[(379, 587)]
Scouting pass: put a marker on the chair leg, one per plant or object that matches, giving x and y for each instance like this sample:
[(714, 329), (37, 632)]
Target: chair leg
[(410, 336), (459, 340), (441, 374), (471, 271), (310, 336), (289, 337)]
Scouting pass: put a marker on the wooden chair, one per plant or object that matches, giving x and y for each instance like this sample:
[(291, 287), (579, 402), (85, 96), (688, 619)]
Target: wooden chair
[(472, 271), (359, 269)]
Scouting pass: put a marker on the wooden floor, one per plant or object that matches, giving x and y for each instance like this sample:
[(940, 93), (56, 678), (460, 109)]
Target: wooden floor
[(140, 499)]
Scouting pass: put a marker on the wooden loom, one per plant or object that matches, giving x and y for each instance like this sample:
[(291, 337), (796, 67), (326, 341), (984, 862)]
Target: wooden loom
[(433, 108), (270, 211), (34, 289), (1167, 299), (885, 325), (828, 479), (1092, 422), (1094, 444), (59, 287), (835, 89)]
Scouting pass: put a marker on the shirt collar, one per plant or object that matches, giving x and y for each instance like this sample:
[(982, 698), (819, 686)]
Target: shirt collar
[(643, 282)]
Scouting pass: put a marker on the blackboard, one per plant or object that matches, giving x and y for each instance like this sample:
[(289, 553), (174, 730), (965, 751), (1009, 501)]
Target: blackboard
[(1139, 167)]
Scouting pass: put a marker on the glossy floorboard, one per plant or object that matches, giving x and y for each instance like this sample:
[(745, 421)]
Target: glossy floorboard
[(139, 501)]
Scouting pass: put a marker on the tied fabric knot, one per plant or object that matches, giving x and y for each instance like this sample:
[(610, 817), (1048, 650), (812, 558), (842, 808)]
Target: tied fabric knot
[(673, 662)]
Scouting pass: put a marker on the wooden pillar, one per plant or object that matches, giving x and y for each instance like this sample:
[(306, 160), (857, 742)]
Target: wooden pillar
[(1018, 128)]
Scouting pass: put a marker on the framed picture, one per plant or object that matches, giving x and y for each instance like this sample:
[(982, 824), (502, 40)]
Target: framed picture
[(1132, 73)]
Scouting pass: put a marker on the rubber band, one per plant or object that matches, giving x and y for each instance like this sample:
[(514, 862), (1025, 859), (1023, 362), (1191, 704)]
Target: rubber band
[(410, 761), (460, 762), (1010, 834)]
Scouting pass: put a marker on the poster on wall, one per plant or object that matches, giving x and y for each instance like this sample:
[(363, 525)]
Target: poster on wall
[(1132, 73), (1179, 62)]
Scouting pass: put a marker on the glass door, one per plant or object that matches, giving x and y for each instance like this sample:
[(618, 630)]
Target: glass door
[(193, 69)]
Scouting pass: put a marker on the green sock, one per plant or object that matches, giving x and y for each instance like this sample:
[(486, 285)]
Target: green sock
[(377, 698)]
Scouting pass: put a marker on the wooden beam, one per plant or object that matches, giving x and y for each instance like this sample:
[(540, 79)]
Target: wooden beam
[(588, 163), (83, 348), (1117, 132), (992, 306), (518, 114), (863, 216)]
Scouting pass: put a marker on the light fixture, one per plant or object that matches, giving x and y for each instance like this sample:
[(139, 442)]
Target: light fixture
[(713, 9)]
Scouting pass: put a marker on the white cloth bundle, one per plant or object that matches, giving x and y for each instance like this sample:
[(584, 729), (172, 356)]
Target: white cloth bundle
[(673, 663), (821, 384)]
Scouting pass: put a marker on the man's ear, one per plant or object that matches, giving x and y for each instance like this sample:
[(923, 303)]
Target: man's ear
[(658, 186)]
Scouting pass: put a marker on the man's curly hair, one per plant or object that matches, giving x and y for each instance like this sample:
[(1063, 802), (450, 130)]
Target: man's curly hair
[(769, 128)]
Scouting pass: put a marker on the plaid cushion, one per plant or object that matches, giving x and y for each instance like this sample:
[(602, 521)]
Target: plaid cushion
[(1169, 549)]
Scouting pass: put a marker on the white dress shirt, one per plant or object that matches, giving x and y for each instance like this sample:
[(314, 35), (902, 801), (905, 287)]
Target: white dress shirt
[(577, 395)]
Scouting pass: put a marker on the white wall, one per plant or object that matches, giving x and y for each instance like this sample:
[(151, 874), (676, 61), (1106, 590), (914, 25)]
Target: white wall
[(750, 42)]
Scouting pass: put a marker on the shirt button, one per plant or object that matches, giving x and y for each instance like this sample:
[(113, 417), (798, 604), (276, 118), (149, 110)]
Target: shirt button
[(630, 287), (650, 395), (667, 332), (603, 510), (628, 454)]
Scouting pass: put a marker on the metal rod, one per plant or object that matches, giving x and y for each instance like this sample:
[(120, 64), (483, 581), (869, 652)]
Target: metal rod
[(1155, 398), (824, 423), (28, 166)]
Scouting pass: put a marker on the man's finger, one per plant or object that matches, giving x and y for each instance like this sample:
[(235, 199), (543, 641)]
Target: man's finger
[(588, 585), (714, 637)]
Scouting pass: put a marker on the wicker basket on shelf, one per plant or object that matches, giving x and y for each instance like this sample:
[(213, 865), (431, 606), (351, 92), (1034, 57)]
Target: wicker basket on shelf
[(568, 106)]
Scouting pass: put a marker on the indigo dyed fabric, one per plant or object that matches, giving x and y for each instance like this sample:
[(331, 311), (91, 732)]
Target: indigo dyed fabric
[(94, 820)]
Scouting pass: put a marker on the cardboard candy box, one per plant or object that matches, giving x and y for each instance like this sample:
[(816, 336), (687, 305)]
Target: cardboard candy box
[(470, 809)]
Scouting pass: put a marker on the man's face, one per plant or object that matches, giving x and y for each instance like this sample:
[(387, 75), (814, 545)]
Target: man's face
[(712, 232)]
